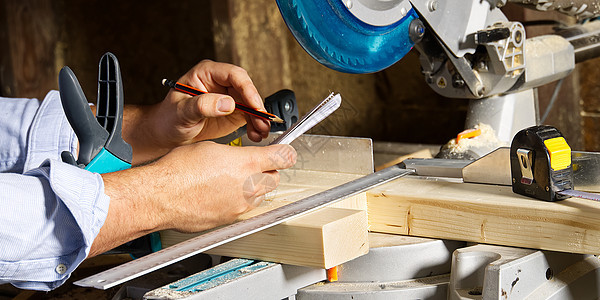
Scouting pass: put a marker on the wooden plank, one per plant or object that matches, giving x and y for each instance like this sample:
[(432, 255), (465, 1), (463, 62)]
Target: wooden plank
[(322, 239), (425, 153), (484, 214)]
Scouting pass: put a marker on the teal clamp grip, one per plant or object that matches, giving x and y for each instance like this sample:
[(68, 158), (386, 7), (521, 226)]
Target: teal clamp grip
[(106, 162), (155, 243), (151, 238)]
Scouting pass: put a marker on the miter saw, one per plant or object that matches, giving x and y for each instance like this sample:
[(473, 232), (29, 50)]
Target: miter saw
[(468, 49)]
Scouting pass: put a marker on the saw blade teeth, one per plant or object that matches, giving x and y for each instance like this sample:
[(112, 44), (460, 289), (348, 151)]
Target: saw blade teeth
[(337, 56)]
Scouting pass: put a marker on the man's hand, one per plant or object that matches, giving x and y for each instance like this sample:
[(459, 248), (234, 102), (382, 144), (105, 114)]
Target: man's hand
[(192, 188), (181, 119)]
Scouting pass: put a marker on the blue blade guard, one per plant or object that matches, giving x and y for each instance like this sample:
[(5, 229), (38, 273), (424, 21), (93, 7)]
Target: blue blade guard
[(337, 39)]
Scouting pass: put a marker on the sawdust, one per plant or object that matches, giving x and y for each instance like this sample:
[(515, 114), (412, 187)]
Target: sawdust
[(487, 139), (163, 293)]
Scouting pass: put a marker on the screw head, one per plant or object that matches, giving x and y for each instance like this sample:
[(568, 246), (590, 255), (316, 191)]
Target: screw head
[(432, 5)]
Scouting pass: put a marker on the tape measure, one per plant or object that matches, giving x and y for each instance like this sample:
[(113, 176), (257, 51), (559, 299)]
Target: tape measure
[(541, 167)]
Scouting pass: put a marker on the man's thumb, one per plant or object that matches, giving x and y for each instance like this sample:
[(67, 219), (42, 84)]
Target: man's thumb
[(213, 105)]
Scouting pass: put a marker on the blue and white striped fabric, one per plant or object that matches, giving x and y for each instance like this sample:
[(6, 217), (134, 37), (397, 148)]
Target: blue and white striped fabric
[(50, 211)]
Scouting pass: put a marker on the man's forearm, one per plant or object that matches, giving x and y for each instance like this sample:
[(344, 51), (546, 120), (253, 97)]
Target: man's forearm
[(132, 212), (192, 188)]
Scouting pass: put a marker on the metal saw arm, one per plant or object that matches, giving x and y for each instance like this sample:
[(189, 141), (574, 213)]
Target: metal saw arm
[(471, 50)]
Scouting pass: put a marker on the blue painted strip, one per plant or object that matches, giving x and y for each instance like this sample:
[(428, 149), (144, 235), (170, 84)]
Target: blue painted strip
[(207, 275), (230, 276)]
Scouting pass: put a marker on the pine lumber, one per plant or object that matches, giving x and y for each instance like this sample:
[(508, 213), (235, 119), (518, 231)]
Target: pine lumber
[(424, 153), (483, 214), (322, 239)]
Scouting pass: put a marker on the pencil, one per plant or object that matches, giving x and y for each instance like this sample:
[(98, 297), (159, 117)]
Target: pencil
[(195, 92)]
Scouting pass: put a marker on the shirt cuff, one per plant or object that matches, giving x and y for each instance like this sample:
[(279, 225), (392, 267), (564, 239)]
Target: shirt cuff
[(82, 192), (50, 133)]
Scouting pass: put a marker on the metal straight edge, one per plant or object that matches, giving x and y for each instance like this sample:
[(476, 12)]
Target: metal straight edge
[(220, 236), (580, 194)]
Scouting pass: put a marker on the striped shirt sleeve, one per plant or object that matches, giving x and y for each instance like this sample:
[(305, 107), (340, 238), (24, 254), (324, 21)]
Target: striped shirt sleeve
[(52, 211)]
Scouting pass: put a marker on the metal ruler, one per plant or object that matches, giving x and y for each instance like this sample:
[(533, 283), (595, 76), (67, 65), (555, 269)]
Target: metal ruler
[(580, 194), (220, 236)]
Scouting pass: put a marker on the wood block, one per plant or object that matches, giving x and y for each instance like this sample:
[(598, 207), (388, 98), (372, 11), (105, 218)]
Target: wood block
[(323, 239), (484, 214)]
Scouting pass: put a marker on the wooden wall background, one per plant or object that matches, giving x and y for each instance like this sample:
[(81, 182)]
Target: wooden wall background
[(160, 38)]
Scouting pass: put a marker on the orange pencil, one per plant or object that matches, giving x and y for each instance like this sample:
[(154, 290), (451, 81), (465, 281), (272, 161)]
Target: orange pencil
[(195, 92)]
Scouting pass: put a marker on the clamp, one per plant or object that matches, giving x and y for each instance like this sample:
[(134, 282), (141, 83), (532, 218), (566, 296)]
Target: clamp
[(101, 145)]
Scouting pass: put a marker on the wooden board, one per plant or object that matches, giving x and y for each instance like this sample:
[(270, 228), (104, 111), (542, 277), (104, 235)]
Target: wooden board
[(322, 239), (484, 214), (424, 153)]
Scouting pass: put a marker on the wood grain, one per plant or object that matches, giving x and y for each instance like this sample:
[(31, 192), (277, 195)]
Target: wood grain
[(484, 214)]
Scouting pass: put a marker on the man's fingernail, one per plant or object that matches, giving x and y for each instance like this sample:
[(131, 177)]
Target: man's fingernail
[(225, 105)]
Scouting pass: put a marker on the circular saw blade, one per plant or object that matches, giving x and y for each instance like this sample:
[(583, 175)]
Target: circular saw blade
[(340, 41)]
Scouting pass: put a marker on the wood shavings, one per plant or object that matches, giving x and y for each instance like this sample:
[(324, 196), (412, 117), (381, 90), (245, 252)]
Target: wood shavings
[(487, 138)]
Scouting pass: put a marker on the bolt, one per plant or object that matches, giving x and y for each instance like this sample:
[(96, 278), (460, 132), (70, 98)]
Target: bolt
[(428, 78), (457, 81), (416, 30), (549, 274), (432, 5), (518, 36), (287, 106), (479, 89), (481, 65)]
